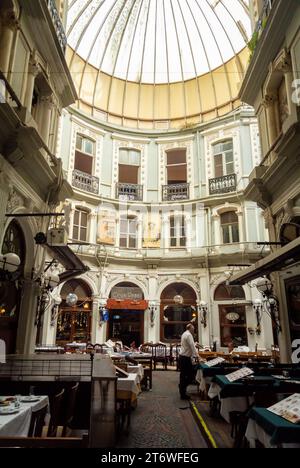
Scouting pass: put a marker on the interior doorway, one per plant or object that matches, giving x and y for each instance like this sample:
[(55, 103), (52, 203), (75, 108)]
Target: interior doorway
[(127, 326), (126, 307)]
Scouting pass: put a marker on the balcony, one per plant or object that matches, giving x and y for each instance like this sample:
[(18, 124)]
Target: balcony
[(131, 192), (224, 184), (85, 182), (260, 25), (176, 192), (60, 32)]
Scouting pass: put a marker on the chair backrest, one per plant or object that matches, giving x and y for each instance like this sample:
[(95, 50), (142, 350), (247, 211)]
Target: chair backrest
[(147, 348), (37, 422), (71, 401), (55, 413), (160, 351), (99, 348)]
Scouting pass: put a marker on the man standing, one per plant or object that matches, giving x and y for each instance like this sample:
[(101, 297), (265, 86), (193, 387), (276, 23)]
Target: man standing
[(188, 351)]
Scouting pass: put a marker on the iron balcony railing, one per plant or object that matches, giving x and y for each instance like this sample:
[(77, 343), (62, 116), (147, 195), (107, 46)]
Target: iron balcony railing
[(133, 192), (85, 182), (176, 192), (225, 184), (60, 32)]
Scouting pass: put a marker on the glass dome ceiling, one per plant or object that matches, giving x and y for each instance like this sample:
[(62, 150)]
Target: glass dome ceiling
[(155, 42)]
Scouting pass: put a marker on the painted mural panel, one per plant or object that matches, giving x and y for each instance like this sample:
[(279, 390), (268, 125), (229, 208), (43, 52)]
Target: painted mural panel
[(106, 232)]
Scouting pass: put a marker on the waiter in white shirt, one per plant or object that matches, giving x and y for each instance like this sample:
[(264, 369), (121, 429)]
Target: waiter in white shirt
[(188, 351)]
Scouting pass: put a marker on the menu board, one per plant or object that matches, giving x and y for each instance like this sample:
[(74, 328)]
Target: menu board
[(288, 409), (215, 362), (239, 374)]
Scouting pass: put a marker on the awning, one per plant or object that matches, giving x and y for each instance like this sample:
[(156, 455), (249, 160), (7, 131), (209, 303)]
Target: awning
[(72, 263), (276, 261), (127, 304)]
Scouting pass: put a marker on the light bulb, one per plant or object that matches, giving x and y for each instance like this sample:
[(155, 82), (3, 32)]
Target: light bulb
[(11, 262)]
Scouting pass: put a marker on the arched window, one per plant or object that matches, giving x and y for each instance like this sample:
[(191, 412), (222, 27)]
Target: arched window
[(233, 321), (10, 291), (84, 155), (223, 158), (178, 307), (229, 293), (230, 227), (74, 323)]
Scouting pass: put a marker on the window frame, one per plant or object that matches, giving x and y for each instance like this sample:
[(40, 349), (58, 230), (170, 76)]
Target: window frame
[(79, 225), (178, 228), (223, 154), (230, 229), (84, 153), (185, 165), (129, 235)]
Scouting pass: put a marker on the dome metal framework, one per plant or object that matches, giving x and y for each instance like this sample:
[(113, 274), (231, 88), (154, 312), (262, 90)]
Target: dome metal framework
[(153, 60)]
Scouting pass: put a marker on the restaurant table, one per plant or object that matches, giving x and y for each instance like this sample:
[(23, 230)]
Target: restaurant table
[(237, 396), (17, 425), (128, 386), (271, 430), (138, 369)]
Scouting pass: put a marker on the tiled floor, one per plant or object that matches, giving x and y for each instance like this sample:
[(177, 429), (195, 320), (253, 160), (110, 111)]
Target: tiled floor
[(161, 419)]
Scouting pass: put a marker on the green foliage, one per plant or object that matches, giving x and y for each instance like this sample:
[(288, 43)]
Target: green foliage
[(252, 44)]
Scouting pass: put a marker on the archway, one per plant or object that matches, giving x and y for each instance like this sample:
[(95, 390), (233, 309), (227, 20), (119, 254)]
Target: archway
[(232, 315), (126, 306), (178, 307), (74, 322), (10, 291)]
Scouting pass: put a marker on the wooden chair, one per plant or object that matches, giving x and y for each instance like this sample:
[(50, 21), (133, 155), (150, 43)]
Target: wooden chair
[(44, 442), (71, 401), (160, 355), (99, 348), (55, 413), (37, 422)]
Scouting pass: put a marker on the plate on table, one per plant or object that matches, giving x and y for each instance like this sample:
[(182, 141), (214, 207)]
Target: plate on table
[(8, 410), (29, 399)]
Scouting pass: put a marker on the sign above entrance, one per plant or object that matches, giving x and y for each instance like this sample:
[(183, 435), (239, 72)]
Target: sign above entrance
[(126, 292), (127, 304)]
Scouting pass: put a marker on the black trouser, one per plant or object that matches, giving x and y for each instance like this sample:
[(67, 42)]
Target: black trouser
[(186, 373)]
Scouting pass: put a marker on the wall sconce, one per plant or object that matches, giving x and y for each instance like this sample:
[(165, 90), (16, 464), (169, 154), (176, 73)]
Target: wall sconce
[(152, 309), (258, 308), (203, 308), (9, 264), (270, 301)]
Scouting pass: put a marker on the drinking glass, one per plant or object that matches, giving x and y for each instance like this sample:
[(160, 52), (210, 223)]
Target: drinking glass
[(31, 390)]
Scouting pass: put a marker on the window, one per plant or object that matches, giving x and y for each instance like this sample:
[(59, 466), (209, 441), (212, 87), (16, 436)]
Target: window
[(229, 293), (233, 325), (230, 227), (175, 316), (223, 158), (84, 155), (128, 232), (176, 167), (80, 225), (129, 165), (177, 231)]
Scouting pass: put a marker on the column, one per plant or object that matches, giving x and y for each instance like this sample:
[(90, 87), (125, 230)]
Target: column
[(270, 102), (26, 335), (8, 26), (189, 233), (45, 121), (140, 233), (95, 321), (215, 219), (240, 215), (33, 71), (165, 232)]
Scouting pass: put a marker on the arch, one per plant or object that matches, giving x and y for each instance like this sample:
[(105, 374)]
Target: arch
[(121, 279), (223, 292), (218, 211), (179, 289), (77, 286), (126, 284), (88, 281), (173, 280)]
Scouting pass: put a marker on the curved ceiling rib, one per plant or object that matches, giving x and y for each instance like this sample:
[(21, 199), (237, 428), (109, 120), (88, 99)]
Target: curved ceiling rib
[(118, 49)]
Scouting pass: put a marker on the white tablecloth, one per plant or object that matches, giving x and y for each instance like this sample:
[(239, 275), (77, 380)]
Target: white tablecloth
[(129, 384), (139, 370), (17, 425), (255, 432), (203, 381), (228, 404)]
